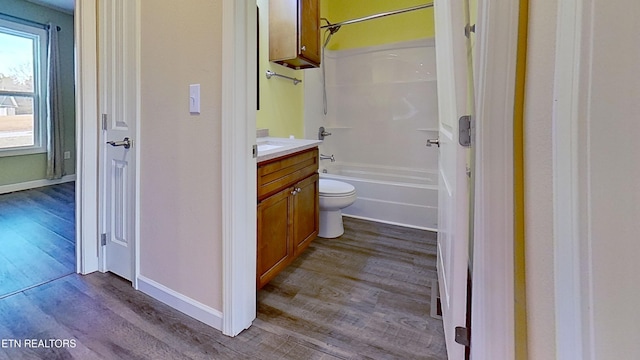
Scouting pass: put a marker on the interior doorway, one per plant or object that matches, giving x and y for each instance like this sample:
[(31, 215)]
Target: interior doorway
[(37, 216)]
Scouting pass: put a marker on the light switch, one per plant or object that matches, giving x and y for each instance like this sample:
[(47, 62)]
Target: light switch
[(194, 98)]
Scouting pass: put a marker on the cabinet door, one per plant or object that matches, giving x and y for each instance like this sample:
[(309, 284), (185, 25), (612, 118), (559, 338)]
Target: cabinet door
[(283, 30), (309, 30), (305, 213), (275, 247), (294, 33)]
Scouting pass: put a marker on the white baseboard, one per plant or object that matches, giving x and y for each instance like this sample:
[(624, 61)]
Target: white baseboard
[(182, 303), (35, 184)]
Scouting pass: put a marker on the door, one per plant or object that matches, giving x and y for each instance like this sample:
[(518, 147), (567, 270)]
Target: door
[(309, 27), (454, 162), (118, 105)]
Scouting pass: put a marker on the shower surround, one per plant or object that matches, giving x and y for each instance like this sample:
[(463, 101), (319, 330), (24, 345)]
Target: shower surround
[(382, 107)]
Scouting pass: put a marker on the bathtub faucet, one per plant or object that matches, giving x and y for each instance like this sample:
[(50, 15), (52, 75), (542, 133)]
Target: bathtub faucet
[(322, 133), (327, 157)]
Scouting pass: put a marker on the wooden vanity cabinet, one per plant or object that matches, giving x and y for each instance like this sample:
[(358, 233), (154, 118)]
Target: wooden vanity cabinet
[(294, 33), (305, 213), (288, 211)]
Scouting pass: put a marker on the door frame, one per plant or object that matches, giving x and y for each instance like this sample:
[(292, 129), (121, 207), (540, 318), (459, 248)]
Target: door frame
[(89, 255), (87, 191), (493, 261), (493, 311), (239, 182)]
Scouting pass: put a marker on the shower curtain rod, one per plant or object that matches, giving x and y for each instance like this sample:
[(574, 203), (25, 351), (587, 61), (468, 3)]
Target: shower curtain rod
[(25, 21), (375, 16)]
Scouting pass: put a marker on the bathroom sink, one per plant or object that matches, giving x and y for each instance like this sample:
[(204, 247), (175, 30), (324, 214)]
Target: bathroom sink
[(267, 147), (272, 147)]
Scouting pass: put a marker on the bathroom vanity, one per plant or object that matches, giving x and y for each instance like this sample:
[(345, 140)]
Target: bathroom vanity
[(287, 203)]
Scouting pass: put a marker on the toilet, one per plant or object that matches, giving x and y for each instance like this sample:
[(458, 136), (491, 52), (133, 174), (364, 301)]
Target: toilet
[(334, 196)]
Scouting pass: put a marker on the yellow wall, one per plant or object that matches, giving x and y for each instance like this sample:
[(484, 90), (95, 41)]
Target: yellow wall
[(281, 102), (402, 27), (520, 296)]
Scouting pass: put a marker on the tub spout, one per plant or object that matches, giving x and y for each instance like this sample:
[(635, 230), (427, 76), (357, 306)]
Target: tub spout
[(327, 157)]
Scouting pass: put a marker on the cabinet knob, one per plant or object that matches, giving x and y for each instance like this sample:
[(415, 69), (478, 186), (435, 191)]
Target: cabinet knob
[(304, 48), (298, 190), (295, 191)]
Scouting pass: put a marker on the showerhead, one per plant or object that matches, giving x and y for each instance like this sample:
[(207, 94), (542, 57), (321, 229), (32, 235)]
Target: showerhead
[(332, 30)]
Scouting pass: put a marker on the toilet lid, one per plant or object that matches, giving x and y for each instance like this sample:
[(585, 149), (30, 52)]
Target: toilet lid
[(335, 188)]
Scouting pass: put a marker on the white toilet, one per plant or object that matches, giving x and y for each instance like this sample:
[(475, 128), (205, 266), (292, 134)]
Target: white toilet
[(334, 196)]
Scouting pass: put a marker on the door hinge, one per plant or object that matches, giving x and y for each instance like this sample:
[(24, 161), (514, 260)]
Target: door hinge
[(254, 148), (104, 121), (103, 239), (463, 336), (465, 127)]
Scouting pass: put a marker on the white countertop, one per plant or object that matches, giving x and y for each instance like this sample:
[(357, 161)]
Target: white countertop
[(272, 147)]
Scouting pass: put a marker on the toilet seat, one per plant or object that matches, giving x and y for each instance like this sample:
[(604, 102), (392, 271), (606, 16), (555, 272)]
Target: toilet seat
[(333, 188)]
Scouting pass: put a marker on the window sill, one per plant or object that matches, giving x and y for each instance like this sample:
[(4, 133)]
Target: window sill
[(23, 151)]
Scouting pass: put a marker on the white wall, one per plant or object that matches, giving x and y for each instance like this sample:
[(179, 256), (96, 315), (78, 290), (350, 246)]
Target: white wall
[(595, 147), (608, 131), (180, 154), (538, 179)]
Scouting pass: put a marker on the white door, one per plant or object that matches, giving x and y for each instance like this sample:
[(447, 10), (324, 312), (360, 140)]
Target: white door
[(118, 106), (453, 193)]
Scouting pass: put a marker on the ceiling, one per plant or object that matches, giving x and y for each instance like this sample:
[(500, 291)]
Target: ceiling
[(66, 6)]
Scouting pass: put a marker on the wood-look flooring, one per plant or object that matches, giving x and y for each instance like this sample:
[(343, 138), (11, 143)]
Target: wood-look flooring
[(37, 236), (363, 296)]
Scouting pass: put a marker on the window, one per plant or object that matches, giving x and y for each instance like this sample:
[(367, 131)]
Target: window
[(22, 89)]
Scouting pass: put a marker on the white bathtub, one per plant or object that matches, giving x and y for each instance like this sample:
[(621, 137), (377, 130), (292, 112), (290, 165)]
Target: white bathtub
[(398, 196)]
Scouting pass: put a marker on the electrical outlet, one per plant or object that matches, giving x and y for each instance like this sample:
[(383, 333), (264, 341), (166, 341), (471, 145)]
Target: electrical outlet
[(67, 154)]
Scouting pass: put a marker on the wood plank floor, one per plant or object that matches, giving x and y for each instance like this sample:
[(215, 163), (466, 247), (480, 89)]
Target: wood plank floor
[(37, 236), (364, 296)]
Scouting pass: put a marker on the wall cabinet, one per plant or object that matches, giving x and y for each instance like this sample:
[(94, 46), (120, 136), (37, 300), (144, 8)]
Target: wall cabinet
[(294, 33), (287, 211)]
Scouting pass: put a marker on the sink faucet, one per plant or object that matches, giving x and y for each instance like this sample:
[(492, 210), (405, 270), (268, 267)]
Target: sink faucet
[(327, 157)]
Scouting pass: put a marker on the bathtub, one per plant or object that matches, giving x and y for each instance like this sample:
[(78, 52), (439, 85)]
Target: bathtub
[(399, 196)]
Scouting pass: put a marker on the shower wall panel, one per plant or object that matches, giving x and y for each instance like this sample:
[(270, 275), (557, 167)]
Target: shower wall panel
[(382, 105)]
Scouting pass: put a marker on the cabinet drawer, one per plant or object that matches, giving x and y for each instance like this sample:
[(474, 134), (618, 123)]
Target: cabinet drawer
[(276, 175)]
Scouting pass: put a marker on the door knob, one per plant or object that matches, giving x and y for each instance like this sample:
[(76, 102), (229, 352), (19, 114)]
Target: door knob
[(432, 142), (126, 142)]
